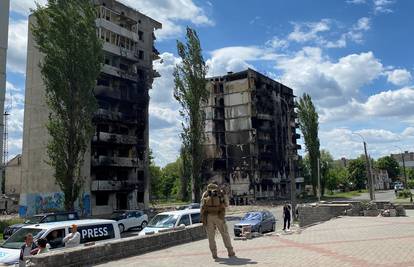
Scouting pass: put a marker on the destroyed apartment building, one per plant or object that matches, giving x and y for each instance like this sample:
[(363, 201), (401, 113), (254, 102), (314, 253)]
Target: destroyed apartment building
[(116, 166), (247, 144)]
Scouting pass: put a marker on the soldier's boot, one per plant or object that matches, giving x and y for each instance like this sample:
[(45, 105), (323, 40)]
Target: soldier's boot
[(231, 253), (214, 255)]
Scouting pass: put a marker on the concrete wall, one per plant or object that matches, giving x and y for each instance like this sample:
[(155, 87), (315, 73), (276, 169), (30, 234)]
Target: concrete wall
[(13, 176), (313, 213), (126, 247)]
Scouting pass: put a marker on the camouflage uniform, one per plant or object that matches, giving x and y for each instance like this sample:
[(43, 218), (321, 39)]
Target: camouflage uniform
[(213, 218)]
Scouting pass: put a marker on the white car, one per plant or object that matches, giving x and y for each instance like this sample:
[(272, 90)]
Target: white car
[(129, 219), (171, 220), (91, 230)]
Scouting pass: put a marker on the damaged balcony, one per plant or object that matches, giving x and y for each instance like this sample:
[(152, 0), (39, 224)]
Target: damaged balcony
[(115, 185), (115, 138), (119, 93), (117, 72), (117, 162), (105, 114)]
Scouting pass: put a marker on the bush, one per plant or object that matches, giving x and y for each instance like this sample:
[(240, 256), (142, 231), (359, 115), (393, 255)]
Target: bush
[(410, 184), (406, 193), (8, 222)]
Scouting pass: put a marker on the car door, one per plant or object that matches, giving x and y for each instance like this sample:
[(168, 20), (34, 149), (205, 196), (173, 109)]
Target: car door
[(267, 221), (185, 219), (138, 218), (130, 218)]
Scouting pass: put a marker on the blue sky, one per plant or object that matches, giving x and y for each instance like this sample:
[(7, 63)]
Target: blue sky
[(354, 57)]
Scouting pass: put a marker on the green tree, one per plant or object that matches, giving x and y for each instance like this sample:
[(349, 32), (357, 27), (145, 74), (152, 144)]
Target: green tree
[(410, 173), (309, 126), (357, 173), (338, 177), (171, 179), (390, 164), (65, 34), (185, 174), (190, 91), (326, 164)]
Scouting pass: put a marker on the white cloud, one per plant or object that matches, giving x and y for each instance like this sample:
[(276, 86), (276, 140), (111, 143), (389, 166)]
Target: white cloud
[(23, 6), (399, 76), (17, 46), (383, 6), (277, 43), (309, 71), (235, 58), (356, 2), (308, 31), (170, 13), (342, 142)]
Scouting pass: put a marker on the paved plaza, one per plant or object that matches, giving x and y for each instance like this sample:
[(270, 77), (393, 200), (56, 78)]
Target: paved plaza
[(346, 241)]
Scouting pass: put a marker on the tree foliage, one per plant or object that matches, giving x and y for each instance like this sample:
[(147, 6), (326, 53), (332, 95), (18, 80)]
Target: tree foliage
[(357, 173), (65, 34), (309, 126), (190, 91), (391, 165), (185, 174), (338, 178), (326, 164)]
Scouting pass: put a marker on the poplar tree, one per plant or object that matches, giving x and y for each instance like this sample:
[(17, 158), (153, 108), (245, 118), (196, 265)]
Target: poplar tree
[(309, 126), (190, 91), (65, 34)]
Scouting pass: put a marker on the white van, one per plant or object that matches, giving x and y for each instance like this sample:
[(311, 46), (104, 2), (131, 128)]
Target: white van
[(171, 220), (92, 230)]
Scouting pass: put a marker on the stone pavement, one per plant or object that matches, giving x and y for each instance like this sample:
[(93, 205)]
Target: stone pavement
[(346, 241)]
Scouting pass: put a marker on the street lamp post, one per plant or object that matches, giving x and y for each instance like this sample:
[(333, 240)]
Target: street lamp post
[(290, 150), (370, 180), (403, 161)]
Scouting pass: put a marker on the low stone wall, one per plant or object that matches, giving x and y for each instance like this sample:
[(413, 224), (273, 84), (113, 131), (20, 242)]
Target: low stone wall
[(116, 249), (313, 213)]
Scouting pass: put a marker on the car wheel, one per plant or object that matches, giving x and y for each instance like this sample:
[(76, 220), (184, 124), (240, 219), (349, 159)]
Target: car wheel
[(121, 228), (273, 227), (144, 224)]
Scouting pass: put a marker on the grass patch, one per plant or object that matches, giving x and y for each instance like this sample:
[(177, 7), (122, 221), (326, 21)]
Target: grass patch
[(349, 194)]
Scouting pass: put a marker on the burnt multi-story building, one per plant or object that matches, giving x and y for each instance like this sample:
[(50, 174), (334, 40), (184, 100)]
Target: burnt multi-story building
[(251, 136), (115, 167)]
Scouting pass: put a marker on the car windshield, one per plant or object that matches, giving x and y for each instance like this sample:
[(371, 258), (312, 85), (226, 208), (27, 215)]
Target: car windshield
[(252, 216), (17, 239), (34, 220), (163, 221), (118, 215)]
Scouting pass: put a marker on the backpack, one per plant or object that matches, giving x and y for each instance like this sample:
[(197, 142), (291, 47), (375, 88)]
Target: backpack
[(214, 198)]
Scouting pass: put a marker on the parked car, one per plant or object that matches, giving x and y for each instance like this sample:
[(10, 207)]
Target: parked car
[(398, 186), (93, 230), (189, 206), (171, 220), (260, 221), (41, 218), (129, 219)]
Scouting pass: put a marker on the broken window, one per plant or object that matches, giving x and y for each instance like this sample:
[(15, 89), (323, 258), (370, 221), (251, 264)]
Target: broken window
[(141, 35), (102, 199), (141, 54)]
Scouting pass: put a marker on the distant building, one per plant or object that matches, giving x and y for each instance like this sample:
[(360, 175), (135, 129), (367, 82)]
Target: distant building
[(116, 166), (13, 176), (248, 118), (381, 179), (408, 159)]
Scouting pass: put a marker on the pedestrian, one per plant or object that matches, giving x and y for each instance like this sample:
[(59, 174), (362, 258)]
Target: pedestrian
[(213, 209), (42, 245), (25, 250), (286, 216), (72, 239)]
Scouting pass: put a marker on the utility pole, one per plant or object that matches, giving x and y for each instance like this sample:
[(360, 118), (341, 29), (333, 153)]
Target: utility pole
[(403, 162), (4, 33), (319, 180), (370, 180), (369, 174)]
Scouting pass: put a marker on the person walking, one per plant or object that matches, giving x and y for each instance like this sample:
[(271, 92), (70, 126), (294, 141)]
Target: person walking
[(72, 239), (286, 216), (25, 250), (213, 208)]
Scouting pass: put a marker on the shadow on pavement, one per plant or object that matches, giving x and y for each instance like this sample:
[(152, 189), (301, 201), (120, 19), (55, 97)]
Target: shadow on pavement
[(235, 261)]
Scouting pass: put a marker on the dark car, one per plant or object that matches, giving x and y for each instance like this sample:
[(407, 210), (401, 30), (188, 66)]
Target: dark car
[(189, 206), (260, 221), (41, 218)]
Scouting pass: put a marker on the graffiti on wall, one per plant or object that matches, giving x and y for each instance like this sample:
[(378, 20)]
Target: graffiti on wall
[(49, 202)]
